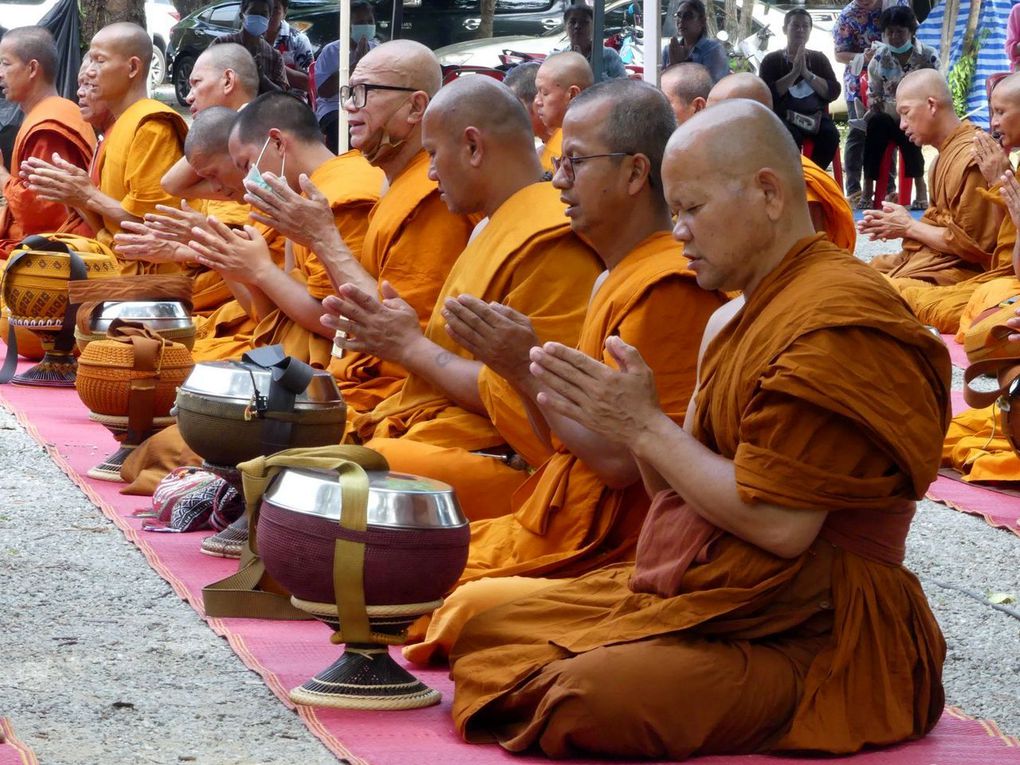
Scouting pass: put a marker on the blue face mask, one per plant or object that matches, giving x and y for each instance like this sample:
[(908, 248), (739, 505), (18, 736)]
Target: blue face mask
[(255, 175), (903, 48), (256, 25), (361, 32)]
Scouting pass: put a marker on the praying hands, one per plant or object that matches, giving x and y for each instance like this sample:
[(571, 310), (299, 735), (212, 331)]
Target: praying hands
[(58, 181)]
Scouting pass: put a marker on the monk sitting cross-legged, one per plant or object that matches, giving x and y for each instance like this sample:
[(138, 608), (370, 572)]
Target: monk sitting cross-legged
[(523, 255), (559, 79), (768, 592), (412, 238), (52, 125), (830, 212), (955, 238), (146, 139), (584, 505)]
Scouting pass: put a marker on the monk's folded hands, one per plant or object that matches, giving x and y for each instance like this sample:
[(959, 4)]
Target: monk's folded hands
[(495, 334), (302, 219), (992, 160), (59, 181), (136, 241), (386, 328), (174, 224), (891, 222), (242, 256)]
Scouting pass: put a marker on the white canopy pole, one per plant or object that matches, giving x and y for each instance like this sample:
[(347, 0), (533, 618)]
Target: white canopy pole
[(651, 42), (345, 69)]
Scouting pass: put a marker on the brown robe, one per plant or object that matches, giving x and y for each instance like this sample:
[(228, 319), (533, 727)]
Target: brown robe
[(955, 184), (825, 393)]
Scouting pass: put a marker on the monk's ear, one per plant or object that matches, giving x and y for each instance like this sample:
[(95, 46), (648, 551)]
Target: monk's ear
[(572, 92), (134, 67), (640, 168), (229, 80), (775, 193), (474, 144), (419, 103), (698, 104)]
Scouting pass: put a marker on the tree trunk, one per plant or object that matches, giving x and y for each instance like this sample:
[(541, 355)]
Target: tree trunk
[(730, 22), (948, 27), (972, 23), (488, 16), (746, 16), (96, 14)]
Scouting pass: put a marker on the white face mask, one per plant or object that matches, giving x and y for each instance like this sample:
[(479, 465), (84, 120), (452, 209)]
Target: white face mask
[(255, 175), (361, 32)]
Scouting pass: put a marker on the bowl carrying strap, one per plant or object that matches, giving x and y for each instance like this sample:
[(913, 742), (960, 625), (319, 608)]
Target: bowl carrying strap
[(251, 592), (289, 379), (64, 340)]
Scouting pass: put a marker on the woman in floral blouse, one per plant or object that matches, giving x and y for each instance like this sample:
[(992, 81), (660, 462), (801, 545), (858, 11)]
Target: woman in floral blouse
[(898, 54)]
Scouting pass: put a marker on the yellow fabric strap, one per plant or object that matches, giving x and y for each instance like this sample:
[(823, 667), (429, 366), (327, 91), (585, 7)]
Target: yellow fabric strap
[(238, 595)]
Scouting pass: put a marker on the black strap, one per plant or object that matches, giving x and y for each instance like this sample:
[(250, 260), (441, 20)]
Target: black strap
[(290, 378)]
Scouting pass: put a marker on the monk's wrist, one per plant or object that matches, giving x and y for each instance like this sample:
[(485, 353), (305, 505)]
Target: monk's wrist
[(649, 439)]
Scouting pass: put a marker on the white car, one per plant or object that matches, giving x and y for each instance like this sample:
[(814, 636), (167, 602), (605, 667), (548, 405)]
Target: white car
[(768, 36), (160, 16)]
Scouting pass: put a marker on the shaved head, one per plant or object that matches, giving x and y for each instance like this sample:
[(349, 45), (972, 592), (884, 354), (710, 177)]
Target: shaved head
[(483, 103), (209, 132), (33, 44), (924, 84), (130, 40), (407, 62), (568, 68), (686, 86), (220, 58), (741, 85)]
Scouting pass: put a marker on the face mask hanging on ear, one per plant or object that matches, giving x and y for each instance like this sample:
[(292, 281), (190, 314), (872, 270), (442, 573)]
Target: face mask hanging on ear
[(255, 175)]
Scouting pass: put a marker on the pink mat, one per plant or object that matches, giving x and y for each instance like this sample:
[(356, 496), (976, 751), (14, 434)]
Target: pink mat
[(285, 654), (956, 352), (12, 751), (997, 508)]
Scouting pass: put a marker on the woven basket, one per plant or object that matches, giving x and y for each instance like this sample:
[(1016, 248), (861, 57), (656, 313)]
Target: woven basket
[(106, 369), (36, 290)]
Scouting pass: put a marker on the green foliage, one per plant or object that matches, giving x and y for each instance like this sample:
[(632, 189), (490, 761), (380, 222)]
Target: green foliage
[(961, 75)]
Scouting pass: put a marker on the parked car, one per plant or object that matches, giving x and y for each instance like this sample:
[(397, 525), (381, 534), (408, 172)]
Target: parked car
[(160, 16), (434, 23)]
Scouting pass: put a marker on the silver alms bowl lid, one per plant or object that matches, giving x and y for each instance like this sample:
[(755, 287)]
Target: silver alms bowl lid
[(235, 380), (154, 314), (395, 500)]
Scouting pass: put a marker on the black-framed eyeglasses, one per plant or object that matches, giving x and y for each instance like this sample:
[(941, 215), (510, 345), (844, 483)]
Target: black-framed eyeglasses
[(567, 162), (359, 93)]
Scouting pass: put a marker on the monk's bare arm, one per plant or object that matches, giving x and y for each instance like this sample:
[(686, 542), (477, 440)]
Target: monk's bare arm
[(340, 264), (455, 375), (182, 181), (291, 297)]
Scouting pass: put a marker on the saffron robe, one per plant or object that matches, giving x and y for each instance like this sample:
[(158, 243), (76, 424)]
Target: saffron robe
[(564, 520), (955, 186), (837, 217), (412, 242), (553, 148), (708, 644), (528, 258), (209, 291), (143, 144), (54, 126)]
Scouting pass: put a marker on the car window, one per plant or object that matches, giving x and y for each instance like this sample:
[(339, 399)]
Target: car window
[(224, 15), (502, 6)]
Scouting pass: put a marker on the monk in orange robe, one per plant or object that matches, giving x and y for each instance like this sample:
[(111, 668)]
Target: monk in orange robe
[(830, 211), (412, 239), (524, 255), (955, 238), (761, 606), (952, 308), (146, 139), (584, 505), (52, 125), (558, 81)]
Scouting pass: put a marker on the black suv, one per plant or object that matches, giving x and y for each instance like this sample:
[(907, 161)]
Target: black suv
[(434, 23)]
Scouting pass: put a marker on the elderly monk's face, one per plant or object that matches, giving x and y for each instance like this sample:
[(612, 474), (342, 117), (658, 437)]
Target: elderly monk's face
[(15, 74), (593, 189), (551, 98), (449, 164), (917, 117), (719, 218), (206, 87), (110, 71), (1005, 121), (218, 168), (384, 113)]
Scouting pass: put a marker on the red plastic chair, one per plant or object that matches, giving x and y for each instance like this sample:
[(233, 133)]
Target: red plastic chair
[(807, 149), (882, 182)]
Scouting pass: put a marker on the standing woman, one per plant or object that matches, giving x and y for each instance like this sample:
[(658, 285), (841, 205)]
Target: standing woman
[(803, 85), (691, 43), (898, 54)]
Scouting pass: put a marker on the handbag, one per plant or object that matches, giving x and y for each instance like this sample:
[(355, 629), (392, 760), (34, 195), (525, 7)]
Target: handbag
[(808, 123)]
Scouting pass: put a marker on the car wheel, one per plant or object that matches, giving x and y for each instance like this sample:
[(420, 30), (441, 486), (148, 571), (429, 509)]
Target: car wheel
[(182, 72), (157, 70)]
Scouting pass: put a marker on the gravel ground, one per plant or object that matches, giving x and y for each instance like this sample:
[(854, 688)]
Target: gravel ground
[(132, 675)]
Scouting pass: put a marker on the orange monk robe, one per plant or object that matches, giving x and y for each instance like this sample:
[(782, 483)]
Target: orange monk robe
[(526, 257), (708, 644), (54, 126), (837, 217), (564, 520), (955, 186), (143, 144), (351, 186), (553, 148), (209, 291), (412, 242), (976, 447)]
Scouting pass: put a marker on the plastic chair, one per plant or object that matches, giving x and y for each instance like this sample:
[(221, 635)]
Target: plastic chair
[(313, 92), (807, 149), (882, 182)]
